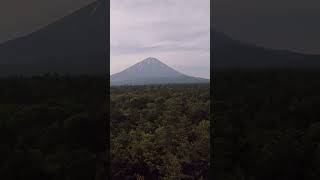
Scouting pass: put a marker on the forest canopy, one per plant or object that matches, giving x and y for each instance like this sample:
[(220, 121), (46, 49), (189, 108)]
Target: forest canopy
[(160, 131), (53, 127)]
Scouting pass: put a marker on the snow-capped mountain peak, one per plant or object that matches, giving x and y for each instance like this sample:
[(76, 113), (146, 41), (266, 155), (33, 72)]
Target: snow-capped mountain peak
[(148, 71)]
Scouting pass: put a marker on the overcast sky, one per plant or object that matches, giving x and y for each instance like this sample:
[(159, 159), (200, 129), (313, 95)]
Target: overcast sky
[(177, 32), (280, 24)]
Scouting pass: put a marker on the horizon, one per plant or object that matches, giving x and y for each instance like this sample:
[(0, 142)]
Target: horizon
[(172, 34)]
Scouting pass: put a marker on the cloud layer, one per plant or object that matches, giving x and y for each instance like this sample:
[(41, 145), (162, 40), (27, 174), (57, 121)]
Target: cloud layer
[(175, 31)]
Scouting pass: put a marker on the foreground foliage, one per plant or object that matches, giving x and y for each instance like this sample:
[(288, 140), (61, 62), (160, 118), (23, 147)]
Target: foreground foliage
[(53, 127), (266, 125), (160, 132)]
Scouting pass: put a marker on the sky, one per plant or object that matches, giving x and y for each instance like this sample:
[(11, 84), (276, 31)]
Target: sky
[(177, 32), (280, 24), (21, 17)]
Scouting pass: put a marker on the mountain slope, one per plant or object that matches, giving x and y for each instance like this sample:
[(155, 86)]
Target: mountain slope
[(152, 71), (75, 44), (229, 54)]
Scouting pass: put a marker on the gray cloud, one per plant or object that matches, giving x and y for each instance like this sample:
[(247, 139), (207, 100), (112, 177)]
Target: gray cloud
[(175, 31)]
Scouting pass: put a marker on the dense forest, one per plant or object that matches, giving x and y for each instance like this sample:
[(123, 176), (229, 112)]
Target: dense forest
[(160, 131), (53, 127), (266, 125)]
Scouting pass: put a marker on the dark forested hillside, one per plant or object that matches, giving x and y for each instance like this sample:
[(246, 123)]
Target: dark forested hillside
[(266, 125), (160, 131), (53, 127)]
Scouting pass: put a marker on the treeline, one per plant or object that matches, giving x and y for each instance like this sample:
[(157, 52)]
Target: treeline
[(266, 125), (53, 127), (160, 132)]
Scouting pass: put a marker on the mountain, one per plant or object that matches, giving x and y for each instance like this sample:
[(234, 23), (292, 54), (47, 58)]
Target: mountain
[(152, 71), (75, 44), (230, 54)]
